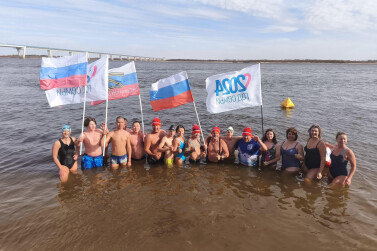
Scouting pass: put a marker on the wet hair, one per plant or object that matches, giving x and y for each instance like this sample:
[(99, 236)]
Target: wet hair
[(136, 121), (319, 130), (340, 134), (179, 127), (87, 121), (265, 136), (120, 117), (292, 130)]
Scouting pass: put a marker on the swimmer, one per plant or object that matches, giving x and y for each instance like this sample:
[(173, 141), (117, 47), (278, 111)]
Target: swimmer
[(315, 154), (291, 152), (166, 146), (231, 142), (272, 155), (152, 141), (193, 145), (179, 146), (120, 145), (217, 150), (63, 154), (339, 160), (92, 141), (137, 142), (249, 147)]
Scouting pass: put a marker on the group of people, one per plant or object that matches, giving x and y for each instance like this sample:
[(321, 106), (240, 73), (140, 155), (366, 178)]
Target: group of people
[(172, 148)]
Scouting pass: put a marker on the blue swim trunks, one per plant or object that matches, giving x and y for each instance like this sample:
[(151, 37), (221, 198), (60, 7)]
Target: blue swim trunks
[(119, 159), (88, 162)]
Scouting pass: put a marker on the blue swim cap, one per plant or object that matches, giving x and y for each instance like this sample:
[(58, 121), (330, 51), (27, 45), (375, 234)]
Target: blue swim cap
[(66, 127)]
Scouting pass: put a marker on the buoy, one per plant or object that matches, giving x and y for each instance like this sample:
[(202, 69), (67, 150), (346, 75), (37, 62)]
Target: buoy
[(328, 159), (287, 103)]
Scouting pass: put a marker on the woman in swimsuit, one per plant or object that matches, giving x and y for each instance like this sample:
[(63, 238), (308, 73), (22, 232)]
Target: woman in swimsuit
[(340, 156), (291, 152), (315, 154), (179, 145), (272, 155), (63, 154)]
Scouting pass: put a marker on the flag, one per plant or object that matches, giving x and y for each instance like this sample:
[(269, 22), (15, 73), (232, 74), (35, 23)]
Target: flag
[(69, 71), (234, 90), (96, 88), (122, 83), (171, 92)]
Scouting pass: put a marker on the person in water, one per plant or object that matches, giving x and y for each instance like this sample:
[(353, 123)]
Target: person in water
[(217, 150), (340, 156), (179, 146), (249, 147), (152, 141), (315, 154), (166, 146), (291, 152), (137, 142), (92, 139), (231, 142), (120, 145), (63, 154), (193, 145), (272, 155)]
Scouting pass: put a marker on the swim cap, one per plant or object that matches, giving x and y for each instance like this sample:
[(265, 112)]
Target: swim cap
[(172, 128), (195, 129), (216, 129), (247, 131), (156, 121), (66, 127), (230, 129)]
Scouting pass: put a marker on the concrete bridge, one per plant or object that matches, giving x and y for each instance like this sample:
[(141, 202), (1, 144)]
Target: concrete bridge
[(21, 50)]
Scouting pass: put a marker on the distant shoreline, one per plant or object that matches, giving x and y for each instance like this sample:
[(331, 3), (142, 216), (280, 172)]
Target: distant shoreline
[(327, 61)]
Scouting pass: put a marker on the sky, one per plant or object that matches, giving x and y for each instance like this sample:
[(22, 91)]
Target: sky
[(197, 29)]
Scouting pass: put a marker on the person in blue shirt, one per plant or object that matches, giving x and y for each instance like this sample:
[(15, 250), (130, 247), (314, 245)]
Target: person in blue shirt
[(249, 148)]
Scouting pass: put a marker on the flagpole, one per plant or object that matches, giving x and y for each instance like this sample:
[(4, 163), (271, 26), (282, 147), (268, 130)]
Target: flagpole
[(261, 111), (104, 140), (107, 101), (83, 114), (141, 111), (261, 107)]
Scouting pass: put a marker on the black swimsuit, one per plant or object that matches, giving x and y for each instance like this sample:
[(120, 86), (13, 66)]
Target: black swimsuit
[(312, 157), (66, 153), (338, 165)]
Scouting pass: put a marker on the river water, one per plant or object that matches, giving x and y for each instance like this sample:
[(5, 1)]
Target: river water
[(203, 207)]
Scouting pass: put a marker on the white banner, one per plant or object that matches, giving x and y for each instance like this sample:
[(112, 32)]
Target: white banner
[(234, 90), (96, 89)]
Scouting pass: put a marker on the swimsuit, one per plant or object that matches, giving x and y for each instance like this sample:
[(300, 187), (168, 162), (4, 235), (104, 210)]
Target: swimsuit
[(142, 157), (269, 155), (152, 160), (169, 162), (288, 157), (88, 162), (338, 165), (65, 154), (312, 157), (118, 159), (194, 161), (248, 152), (181, 146)]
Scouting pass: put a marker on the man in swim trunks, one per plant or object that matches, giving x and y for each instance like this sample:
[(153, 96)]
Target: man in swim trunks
[(137, 142), (249, 147), (120, 145), (217, 150), (152, 141), (92, 141), (166, 146), (193, 145), (231, 142)]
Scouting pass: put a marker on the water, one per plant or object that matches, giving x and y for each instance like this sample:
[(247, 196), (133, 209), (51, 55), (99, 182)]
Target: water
[(201, 207)]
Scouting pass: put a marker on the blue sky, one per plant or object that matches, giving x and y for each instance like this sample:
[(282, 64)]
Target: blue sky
[(198, 29)]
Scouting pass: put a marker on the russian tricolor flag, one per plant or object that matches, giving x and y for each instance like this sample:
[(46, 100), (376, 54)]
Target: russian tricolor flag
[(64, 72), (171, 92)]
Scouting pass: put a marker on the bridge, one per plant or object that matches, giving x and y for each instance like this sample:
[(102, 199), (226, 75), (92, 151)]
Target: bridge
[(21, 50)]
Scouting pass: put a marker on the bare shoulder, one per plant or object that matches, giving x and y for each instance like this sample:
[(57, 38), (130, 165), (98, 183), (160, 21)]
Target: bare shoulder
[(56, 144), (73, 139)]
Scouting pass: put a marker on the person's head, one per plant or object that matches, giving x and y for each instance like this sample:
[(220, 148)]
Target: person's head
[(180, 130), (136, 126), (120, 122), (171, 131), (195, 131), (215, 132), (341, 138), (90, 123), (229, 131), (66, 131), (247, 134), (156, 125), (291, 134), (315, 131), (125, 122), (269, 135)]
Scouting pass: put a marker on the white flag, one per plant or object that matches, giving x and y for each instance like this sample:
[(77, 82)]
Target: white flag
[(96, 89), (234, 90)]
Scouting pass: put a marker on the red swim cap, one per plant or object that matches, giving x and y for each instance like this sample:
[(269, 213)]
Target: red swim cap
[(216, 129), (247, 131), (156, 121), (195, 129)]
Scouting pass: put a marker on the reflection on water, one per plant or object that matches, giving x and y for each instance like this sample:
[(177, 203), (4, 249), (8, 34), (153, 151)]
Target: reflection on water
[(288, 112)]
